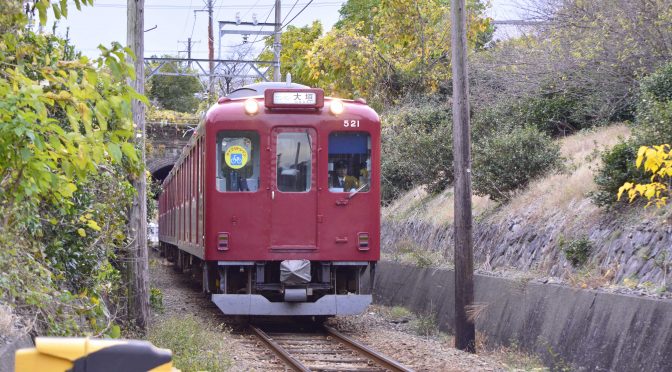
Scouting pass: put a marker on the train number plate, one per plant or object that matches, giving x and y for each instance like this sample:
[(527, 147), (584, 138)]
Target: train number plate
[(294, 98)]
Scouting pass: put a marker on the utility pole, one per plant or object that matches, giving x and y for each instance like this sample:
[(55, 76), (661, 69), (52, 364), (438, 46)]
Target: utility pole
[(138, 265), (189, 44), (211, 53), (465, 331), (277, 46)]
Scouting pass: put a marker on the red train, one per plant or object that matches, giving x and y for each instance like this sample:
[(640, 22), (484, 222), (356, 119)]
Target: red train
[(275, 202)]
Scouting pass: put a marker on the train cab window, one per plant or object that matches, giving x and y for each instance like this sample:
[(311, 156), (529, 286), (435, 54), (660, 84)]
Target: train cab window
[(237, 161), (294, 161), (349, 162)]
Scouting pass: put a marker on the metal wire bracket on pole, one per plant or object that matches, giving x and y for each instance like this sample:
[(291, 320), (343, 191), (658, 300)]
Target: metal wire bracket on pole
[(255, 69)]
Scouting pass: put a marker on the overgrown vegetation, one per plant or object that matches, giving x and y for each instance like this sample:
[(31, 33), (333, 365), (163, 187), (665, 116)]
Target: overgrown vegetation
[(195, 347), (577, 251), (66, 154), (409, 252)]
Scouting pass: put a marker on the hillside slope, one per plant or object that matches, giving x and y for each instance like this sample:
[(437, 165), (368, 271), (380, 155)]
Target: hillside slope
[(529, 236)]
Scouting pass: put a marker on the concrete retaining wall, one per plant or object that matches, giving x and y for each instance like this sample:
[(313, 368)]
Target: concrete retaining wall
[(584, 329)]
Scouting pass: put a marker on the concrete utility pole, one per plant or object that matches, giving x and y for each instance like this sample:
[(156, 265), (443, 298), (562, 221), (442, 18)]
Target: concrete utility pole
[(465, 332), (277, 46), (138, 266), (211, 53), (189, 44)]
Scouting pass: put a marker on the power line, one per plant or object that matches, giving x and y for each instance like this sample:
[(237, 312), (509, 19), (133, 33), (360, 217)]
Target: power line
[(186, 22), (297, 14), (290, 11), (229, 6), (265, 20), (248, 11)]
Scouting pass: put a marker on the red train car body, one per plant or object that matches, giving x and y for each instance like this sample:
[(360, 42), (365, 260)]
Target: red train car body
[(275, 202)]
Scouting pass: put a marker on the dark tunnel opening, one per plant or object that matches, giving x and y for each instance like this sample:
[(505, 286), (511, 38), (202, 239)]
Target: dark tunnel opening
[(160, 174)]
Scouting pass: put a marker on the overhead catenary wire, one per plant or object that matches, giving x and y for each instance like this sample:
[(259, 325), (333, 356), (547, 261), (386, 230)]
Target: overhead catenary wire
[(297, 14), (186, 21), (290, 12), (228, 6), (253, 6)]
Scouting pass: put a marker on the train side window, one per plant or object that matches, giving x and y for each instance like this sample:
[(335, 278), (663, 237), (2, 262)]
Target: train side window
[(294, 158), (237, 161), (349, 161)]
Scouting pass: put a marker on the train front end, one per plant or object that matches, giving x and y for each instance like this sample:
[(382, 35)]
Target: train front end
[(292, 202)]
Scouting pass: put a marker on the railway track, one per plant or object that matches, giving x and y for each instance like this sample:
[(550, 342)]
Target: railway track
[(324, 349)]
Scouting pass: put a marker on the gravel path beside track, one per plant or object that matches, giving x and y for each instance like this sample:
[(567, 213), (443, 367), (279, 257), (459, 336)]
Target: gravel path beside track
[(397, 339)]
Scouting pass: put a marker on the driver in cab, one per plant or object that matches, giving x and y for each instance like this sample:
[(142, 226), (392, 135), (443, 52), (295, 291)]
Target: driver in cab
[(340, 181)]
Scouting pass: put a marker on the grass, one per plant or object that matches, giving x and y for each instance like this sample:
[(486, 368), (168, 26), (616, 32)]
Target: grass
[(398, 313), (425, 324), (195, 346), (568, 191), (407, 251), (512, 356), (436, 210)]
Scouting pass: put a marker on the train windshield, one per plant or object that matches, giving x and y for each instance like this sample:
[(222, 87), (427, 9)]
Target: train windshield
[(349, 162), (237, 161), (294, 161)]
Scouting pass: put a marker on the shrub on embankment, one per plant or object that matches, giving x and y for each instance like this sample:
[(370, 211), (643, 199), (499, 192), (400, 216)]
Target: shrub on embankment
[(66, 155), (418, 150), (509, 159), (653, 126)]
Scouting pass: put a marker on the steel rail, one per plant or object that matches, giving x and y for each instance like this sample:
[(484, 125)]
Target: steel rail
[(279, 350), (379, 358)]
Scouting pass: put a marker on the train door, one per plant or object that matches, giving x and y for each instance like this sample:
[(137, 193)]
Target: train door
[(293, 189)]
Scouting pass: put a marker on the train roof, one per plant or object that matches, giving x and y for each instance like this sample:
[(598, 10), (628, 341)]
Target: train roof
[(259, 88)]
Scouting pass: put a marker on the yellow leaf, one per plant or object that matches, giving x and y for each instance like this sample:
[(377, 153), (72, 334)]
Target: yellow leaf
[(81, 232), (640, 156), (93, 225), (626, 186)]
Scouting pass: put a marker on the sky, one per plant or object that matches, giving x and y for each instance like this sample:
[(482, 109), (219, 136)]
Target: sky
[(178, 20)]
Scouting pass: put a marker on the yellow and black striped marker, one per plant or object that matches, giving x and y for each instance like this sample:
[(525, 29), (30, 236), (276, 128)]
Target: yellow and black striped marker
[(55, 354)]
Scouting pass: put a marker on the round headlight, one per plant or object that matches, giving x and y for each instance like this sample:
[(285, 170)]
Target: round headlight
[(251, 106), (336, 107)]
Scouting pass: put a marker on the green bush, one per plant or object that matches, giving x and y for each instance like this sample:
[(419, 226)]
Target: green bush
[(554, 114), (558, 113), (195, 346), (653, 127), (654, 112), (509, 159), (417, 149), (618, 167), (659, 84), (577, 251)]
